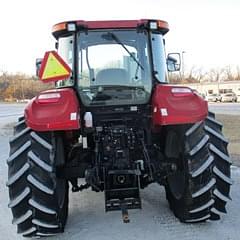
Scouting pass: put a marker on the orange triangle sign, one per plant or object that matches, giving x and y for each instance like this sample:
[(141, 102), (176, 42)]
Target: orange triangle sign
[(53, 68)]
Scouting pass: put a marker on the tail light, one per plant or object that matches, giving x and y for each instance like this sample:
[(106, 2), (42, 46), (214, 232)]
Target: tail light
[(49, 98), (181, 91)]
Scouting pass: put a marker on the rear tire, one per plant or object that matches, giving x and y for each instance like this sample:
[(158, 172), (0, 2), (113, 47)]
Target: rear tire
[(38, 199), (222, 164), (207, 173), (190, 189)]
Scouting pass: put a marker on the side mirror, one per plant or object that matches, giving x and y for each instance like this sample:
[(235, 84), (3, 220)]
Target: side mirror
[(38, 65), (173, 62)]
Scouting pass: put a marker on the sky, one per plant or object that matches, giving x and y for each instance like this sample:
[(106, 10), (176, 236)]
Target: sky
[(206, 30)]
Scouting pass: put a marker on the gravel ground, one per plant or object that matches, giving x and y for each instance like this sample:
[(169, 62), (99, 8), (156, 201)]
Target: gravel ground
[(87, 219), (225, 108)]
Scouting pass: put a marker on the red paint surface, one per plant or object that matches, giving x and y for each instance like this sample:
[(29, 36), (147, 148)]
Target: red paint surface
[(112, 24), (119, 24), (181, 108), (46, 116)]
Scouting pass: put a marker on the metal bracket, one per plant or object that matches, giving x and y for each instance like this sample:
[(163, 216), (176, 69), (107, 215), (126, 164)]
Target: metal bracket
[(125, 216), (76, 187)]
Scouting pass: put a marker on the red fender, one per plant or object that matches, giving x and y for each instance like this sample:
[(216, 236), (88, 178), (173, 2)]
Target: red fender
[(56, 109), (177, 105)]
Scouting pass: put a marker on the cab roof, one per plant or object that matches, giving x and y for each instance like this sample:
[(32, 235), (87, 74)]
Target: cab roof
[(64, 28)]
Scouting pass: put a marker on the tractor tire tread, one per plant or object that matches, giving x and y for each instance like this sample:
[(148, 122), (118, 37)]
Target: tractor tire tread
[(31, 183)]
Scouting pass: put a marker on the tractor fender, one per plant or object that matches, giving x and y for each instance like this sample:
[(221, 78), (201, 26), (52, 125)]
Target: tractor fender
[(56, 109), (177, 105)]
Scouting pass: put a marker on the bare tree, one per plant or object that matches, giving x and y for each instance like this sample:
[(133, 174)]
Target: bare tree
[(20, 86), (195, 75), (229, 73), (174, 78), (215, 75), (237, 75)]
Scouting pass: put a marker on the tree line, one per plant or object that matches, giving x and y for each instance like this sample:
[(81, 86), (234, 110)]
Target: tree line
[(20, 86), (199, 75), (14, 87)]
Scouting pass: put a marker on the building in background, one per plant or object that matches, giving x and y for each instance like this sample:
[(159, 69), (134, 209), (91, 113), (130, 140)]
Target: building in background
[(216, 88)]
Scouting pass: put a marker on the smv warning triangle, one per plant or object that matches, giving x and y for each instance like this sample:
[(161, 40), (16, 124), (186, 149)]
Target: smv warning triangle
[(53, 68)]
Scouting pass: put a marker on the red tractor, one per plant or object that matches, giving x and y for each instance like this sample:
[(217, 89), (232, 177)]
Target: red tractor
[(114, 121)]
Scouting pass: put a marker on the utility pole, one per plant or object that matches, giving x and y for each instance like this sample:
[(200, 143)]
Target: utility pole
[(183, 65)]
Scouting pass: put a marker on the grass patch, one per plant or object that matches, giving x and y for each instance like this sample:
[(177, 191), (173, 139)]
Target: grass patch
[(231, 130)]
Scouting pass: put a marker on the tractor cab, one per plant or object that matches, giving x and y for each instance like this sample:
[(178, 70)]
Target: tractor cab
[(113, 62)]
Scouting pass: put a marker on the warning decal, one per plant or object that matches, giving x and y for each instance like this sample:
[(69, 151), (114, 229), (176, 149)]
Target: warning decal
[(53, 68)]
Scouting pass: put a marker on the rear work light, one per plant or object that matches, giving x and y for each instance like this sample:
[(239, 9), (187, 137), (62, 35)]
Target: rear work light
[(153, 25), (181, 92), (156, 24), (49, 98), (71, 27)]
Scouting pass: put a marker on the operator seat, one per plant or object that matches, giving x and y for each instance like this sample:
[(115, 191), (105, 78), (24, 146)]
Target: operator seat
[(112, 76)]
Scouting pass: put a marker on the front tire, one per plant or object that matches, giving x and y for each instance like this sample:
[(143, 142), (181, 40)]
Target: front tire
[(38, 199)]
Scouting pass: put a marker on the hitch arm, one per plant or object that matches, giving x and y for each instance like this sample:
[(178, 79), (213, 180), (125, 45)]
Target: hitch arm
[(125, 216), (147, 158)]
